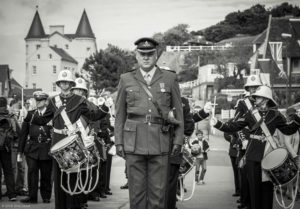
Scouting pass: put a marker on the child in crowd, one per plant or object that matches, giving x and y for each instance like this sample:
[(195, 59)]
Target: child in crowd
[(199, 149)]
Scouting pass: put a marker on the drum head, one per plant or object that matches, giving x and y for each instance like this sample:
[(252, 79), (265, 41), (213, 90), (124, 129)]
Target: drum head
[(274, 159), (63, 143)]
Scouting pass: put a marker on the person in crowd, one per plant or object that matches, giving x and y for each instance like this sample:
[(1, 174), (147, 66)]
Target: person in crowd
[(145, 99), (9, 132), (199, 148), (75, 106), (36, 148), (261, 189), (18, 167)]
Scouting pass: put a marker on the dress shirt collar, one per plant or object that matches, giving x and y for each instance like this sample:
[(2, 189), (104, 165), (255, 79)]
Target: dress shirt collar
[(151, 73)]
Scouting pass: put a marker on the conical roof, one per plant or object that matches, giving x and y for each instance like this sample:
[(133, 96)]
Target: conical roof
[(36, 29), (84, 29)]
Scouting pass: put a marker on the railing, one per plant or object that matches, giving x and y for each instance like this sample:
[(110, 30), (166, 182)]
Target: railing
[(196, 48), (295, 79)]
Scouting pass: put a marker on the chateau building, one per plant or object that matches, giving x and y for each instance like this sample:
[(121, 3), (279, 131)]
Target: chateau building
[(48, 54)]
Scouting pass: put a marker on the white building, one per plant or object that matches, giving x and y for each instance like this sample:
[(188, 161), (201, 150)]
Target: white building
[(47, 54)]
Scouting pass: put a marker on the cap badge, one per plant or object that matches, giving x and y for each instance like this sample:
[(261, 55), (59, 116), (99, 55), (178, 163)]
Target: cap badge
[(79, 80), (146, 44), (64, 74), (253, 78)]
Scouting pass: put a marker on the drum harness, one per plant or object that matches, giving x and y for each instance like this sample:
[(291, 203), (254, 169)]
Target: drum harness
[(270, 139), (72, 129)]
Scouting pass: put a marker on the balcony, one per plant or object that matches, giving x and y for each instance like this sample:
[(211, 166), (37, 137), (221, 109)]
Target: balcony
[(196, 48)]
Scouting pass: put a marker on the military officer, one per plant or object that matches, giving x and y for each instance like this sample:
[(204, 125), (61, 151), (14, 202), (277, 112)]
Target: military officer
[(145, 98), (36, 149), (75, 106), (261, 189)]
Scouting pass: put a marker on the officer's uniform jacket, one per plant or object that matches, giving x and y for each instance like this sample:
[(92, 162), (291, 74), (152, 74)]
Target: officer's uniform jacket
[(272, 118), (76, 107), (201, 115), (37, 145), (143, 138)]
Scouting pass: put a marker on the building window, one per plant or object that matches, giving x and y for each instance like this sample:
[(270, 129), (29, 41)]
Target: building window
[(34, 85), (50, 56), (67, 46), (34, 70), (38, 46), (54, 69), (296, 65), (38, 56), (88, 49), (54, 86), (26, 48)]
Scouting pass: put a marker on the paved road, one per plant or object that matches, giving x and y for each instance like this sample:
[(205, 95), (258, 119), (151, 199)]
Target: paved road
[(215, 194)]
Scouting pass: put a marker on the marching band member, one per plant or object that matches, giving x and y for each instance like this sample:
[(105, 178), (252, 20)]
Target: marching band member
[(261, 190), (145, 98), (252, 83), (75, 106), (36, 149)]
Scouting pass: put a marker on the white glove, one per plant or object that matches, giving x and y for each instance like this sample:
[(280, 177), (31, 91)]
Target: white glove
[(19, 157), (112, 121), (244, 144), (23, 113), (213, 121), (207, 107), (109, 102)]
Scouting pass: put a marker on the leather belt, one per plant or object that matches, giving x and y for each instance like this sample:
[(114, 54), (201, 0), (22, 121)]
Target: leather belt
[(145, 118), (40, 140)]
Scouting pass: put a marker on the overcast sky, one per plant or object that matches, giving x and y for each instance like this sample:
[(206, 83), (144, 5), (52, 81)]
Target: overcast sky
[(119, 22)]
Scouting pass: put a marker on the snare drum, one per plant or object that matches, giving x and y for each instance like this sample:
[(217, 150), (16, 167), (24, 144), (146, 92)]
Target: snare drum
[(69, 153), (186, 164), (92, 157), (279, 166)]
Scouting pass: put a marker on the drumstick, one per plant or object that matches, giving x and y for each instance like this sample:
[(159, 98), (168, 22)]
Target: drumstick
[(214, 108)]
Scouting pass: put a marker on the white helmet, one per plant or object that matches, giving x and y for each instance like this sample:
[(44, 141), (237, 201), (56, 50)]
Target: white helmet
[(101, 101), (253, 80), (93, 100), (266, 92), (65, 75), (80, 84)]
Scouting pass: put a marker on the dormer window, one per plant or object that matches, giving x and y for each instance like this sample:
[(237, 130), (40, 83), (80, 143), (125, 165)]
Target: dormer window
[(50, 56), (67, 46), (38, 56)]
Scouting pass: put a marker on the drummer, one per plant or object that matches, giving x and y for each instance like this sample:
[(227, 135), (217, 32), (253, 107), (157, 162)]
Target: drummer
[(36, 150), (261, 189), (75, 106)]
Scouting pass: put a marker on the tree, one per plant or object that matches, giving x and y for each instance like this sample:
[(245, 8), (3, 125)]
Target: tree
[(106, 66)]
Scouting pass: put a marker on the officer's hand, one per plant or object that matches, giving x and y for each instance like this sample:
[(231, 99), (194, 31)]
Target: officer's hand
[(120, 150), (176, 149), (207, 107), (244, 144), (213, 121), (19, 157)]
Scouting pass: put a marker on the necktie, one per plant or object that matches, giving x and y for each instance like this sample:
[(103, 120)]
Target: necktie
[(147, 78)]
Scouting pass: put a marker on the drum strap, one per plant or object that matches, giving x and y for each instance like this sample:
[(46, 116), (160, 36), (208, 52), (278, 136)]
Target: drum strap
[(263, 125)]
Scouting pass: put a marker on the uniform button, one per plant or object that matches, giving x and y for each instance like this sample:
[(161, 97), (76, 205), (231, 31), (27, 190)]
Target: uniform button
[(149, 110), (149, 87), (149, 98)]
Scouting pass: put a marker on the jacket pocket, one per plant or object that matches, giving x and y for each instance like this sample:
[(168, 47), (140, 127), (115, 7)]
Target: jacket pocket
[(165, 96), (164, 139), (129, 135), (133, 94)]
